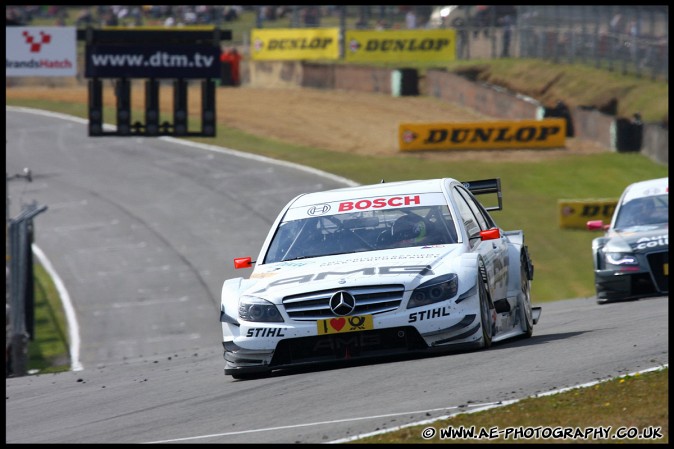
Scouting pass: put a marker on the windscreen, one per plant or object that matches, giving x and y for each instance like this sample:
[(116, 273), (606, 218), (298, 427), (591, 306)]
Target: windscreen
[(644, 211), (361, 230)]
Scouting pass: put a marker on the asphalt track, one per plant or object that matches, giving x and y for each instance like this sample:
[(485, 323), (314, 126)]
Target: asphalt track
[(142, 232)]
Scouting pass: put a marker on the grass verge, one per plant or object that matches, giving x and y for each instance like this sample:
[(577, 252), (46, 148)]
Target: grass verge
[(631, 409), (531, 191), (48, 350)]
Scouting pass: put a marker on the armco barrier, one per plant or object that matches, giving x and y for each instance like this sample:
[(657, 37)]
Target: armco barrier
[(589, 124)]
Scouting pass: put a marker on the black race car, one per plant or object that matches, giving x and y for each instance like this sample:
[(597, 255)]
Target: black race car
[(631, 260)]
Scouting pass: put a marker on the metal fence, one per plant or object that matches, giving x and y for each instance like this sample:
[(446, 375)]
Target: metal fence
[(19, 299), (631, 39), (21, 311)]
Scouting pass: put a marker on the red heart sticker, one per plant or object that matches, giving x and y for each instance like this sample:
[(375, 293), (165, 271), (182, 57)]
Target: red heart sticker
[(338, 323)]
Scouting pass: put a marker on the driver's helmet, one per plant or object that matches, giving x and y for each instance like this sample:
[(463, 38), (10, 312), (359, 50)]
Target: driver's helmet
[(409, 229)]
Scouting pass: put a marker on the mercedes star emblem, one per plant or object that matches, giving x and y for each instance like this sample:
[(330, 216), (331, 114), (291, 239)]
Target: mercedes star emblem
[(342, 303)]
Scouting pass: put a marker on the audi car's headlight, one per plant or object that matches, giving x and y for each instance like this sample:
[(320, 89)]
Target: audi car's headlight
[(435, 290), (259, 310), (621, 259)]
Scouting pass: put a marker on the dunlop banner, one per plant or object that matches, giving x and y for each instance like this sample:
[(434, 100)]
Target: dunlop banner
[(546, 133), (399, 46), (574, 214), (279, 44)]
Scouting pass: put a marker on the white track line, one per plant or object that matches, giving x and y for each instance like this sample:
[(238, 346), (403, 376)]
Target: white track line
[(71, 317)]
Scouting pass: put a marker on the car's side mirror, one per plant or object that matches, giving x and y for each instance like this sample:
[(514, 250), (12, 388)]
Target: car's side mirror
[(490, 234), (595, 225), (243, 262)]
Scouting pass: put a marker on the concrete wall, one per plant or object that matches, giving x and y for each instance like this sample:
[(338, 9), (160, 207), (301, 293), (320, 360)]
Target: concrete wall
[(655, 144), (490, 100), (365, 79), (592, 125)]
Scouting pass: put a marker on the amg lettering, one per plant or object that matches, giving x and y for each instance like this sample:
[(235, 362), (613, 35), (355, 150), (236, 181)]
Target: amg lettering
[(423, 270), (353, 340), (293, 280), (365, 271)]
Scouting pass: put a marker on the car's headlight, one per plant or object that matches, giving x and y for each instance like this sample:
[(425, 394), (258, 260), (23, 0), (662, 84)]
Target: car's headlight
[(621, 259), (259, 310), (435, 290)]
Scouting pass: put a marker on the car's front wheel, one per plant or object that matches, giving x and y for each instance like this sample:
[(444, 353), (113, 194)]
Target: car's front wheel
[(485, 315), (526, 319)]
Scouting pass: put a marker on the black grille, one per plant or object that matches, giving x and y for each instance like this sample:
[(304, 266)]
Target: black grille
[(348, 346), (369, 300), (657, 262)]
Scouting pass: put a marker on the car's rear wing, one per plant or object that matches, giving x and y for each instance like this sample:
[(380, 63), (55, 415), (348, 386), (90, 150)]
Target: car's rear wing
[(484, 186)]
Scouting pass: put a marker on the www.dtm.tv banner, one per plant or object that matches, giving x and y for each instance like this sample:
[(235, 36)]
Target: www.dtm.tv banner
[(503, 134)]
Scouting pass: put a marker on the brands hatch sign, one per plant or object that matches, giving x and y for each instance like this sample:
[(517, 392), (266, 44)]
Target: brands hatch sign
[(40, 51)]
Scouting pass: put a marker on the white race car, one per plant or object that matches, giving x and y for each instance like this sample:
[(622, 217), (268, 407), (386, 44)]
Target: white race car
[(378, 270)]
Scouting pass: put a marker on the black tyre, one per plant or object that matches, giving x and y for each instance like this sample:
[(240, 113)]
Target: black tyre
[(602, 301), (485, 315), (526, 320)]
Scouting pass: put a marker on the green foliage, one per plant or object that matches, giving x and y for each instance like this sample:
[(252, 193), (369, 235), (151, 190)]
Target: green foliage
[(48, 350), (627, 402), (531, 191), (530, 194)]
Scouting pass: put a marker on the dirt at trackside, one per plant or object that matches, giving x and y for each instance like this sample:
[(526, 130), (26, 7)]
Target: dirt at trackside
[(349, 122)]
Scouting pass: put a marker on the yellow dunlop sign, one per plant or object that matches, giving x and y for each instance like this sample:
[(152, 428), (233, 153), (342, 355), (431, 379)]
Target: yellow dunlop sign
[(574, 214), (279, 44), (400, 46), (546, 133)]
